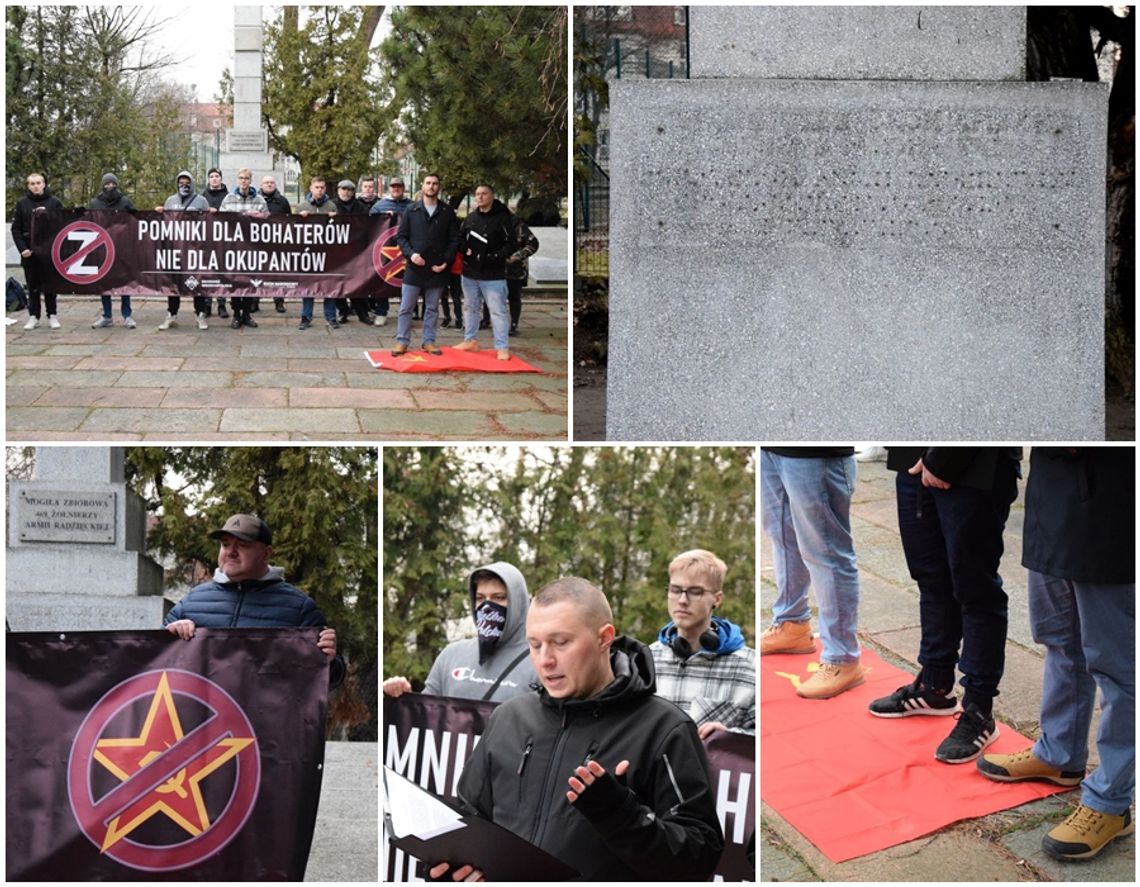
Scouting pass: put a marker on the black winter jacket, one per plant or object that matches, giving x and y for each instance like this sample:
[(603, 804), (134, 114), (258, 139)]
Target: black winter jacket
[(278, 205), (255, 603), (488, 240), (435, 237), (1080, 514), (22, 216), (658, 822), (975, 467), (215, 198), (114, 201)]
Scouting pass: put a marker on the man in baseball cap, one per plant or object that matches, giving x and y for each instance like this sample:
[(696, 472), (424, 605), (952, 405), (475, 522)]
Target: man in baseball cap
[(246, 592)]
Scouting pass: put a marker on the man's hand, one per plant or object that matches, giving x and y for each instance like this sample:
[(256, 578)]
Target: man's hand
[(928, 479), (463, 873), (438, 268), (326, 640), (417, 259), (587, 774), (704, 730), (184, 628), (26, 253), (397, 686), (159, 209)]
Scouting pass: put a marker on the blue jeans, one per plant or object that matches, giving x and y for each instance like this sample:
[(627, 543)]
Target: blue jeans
[(494, 292), (124, 306), (329, 306), (952, 540), (806, 510), (409, 295), (1088, 631)]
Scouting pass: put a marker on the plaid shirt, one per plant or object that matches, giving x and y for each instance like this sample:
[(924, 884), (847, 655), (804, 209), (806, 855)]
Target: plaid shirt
[(708, 687)]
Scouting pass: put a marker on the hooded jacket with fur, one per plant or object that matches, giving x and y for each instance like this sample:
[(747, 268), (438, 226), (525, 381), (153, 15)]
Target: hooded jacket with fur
[(658, 822), (456, 671)]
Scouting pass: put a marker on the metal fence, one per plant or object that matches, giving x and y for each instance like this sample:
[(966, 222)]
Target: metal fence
[(592, 223)]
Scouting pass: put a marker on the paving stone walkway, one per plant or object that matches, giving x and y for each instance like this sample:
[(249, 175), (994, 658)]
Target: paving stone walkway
[(1004, 846), (273, 383)]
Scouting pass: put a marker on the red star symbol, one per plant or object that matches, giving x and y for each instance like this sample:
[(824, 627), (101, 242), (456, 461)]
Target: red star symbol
[(180, 796)]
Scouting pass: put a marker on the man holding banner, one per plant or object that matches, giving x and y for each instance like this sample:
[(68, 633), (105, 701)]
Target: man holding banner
[(594, 768)]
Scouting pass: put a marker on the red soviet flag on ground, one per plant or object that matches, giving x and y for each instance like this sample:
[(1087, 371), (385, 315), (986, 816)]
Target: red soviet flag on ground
[(133, 755), (484, 361)]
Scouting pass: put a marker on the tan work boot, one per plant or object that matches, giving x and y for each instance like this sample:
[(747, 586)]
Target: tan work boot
[(1025, 765), (831, 680), (504, 354), (787, 637), (1085, 833), (467, 345)]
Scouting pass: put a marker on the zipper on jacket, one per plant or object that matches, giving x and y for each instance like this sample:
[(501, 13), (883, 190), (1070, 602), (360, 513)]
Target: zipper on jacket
[(237, 609), (526, 754), (590, 752), (522, 765), (547, 786), (676, 788)]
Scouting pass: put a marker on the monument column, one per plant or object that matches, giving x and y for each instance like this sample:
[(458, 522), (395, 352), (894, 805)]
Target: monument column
[(247, 142), (76, 557)]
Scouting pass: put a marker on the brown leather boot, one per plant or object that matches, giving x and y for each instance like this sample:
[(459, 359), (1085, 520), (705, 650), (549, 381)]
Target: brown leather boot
[(787, 637)]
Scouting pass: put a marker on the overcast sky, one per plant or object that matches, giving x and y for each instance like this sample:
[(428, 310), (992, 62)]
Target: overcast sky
[(201, 39)]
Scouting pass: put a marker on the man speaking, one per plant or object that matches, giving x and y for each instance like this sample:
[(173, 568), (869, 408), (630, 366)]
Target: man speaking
[(594, 767)]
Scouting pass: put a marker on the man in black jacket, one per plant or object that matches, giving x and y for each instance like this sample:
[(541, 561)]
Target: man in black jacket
[(594, 767), (278, 206), (953, 503), (35, 199), (428, 238), (488, 240), (1080, 548), (215, 192), (347, 203), (111, 199)]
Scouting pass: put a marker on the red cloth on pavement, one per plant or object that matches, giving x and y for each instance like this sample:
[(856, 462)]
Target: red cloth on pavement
[(852, 783), (413, 361)]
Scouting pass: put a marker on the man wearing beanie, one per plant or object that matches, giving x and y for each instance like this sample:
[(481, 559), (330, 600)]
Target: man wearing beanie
[(111, 199)]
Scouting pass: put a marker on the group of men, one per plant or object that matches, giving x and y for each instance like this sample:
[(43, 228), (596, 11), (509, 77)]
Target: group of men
[(953, 503), (484, 257), (615, 723)]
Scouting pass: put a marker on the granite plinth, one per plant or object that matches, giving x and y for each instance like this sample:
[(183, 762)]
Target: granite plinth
[(82, 612), (834, 260), (52, 568), (858, 42), (544, 270)]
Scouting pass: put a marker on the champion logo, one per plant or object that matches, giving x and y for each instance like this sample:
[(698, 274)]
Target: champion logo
[(191, 282), (255, 281)]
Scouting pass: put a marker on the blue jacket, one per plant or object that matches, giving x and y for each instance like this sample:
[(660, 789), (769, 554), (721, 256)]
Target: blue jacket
[(270, 602)]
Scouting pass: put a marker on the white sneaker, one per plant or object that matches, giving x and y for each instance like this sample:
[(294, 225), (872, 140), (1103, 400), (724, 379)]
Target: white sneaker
[(53, 321), (129, 323), (169, 322), (201, 315), (101, 323), (32, 323), (869, 453), (380, 320)]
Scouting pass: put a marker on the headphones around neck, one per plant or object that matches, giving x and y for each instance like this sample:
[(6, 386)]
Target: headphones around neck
[(709, 640)]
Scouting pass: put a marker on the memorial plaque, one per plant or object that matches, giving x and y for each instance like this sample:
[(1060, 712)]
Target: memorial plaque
[(66, 516), (859, 42), (803, 260), (252, 141)]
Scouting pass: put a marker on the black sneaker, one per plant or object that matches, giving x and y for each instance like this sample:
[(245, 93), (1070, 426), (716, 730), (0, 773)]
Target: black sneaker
[(913, 699), (222, 312), (969, 738), (304, 324)]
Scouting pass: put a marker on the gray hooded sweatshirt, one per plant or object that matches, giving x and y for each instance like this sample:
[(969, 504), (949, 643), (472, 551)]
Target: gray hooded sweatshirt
[(456, 671), (194, 202)]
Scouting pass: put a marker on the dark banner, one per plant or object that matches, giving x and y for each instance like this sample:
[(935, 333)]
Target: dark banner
[(216, 254), (137, 756), (428, 739)]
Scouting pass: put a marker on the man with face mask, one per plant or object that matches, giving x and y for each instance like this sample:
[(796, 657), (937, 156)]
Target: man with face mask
[(494, 665), (111, 199)]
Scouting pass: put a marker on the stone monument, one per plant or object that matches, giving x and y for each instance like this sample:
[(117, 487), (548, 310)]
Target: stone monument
[(814, 241), (76, 556), (247, 141)]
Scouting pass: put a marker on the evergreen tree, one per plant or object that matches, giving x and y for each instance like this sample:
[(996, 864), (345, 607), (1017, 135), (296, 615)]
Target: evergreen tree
[(480, 93), (321, 503)]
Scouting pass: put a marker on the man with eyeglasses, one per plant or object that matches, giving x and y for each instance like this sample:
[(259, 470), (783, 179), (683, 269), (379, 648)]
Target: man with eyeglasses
[(806, 498), (494, 665), (702, 663)]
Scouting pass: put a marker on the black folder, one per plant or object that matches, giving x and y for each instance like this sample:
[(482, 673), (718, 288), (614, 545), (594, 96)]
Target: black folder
[(466, 838)]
